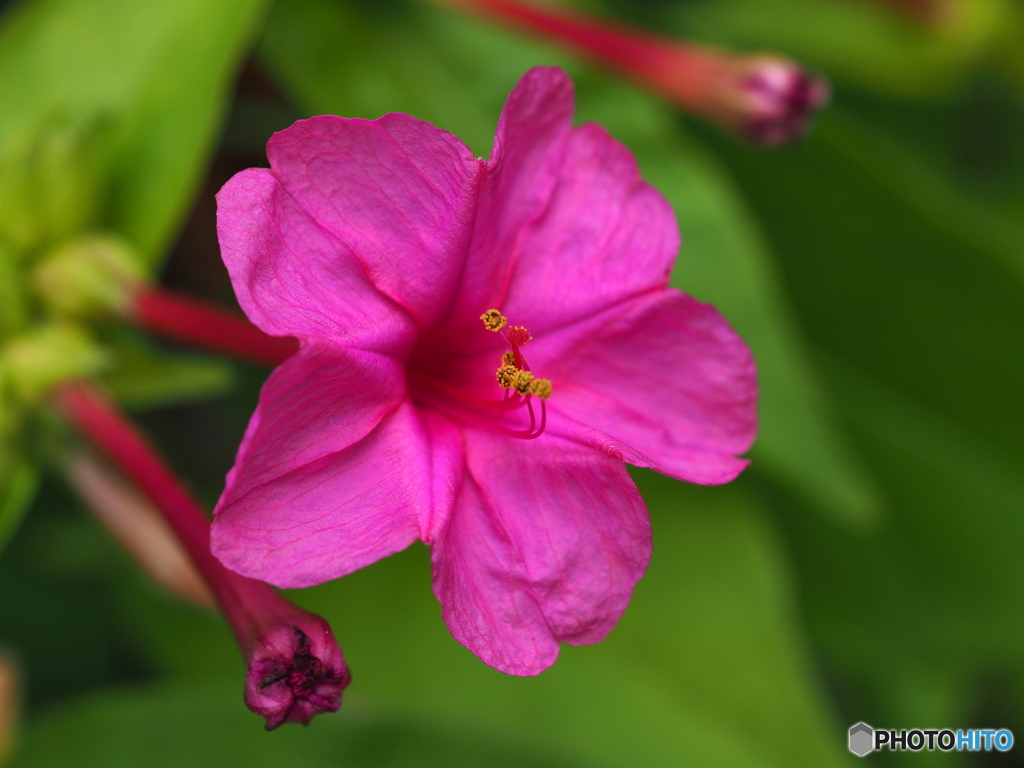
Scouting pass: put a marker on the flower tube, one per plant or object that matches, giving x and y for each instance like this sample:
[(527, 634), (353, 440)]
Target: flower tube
[(295, 668), (764, 98)]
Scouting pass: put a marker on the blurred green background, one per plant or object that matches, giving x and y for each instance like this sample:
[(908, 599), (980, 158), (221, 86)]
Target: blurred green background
[(867, 567)]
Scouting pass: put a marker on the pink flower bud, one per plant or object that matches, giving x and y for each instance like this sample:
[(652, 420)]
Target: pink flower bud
[(295, 672), (766, 99), (295, 668), (772, 100)]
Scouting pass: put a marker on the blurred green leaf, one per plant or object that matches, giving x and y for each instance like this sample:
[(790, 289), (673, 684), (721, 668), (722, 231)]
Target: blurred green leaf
[(858, 41), (879, 283), (467, 69), (19, 480), (153, 74), (707, 667), (143, 376), (924, 190), (209, 727), (928, 619), (13, 310), (52, 180), (899, 283)]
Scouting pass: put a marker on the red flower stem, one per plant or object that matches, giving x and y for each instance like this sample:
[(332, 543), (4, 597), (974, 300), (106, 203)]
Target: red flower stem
[(683, 73), (200, 323), (933, 12), (247, 604)]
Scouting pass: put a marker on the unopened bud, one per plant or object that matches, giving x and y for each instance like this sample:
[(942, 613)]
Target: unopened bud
[(50, 182), (296, 671), (33, 362), (295, 668), (765, 99), (92, 275)]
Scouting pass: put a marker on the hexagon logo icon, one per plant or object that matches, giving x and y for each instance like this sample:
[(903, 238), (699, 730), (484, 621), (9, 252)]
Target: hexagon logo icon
[(862, 739)]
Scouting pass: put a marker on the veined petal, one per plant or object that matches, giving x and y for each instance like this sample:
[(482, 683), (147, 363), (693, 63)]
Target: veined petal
[(516, 186), (294, 278), (566, 226), (340, 512), (545, 544), (398, 192), (605, 236), (317, 403), (662, 379)]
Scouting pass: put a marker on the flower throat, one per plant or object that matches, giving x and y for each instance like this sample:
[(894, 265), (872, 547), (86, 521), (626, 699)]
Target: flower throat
[(516, 378)]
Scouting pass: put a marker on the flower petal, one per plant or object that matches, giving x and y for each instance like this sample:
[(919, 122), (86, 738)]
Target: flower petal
[(398, 192), (294, 278), (334, 515), (546, 542), (662, 379), (517, 184), (566, 226), (337, 470), (605, 236)]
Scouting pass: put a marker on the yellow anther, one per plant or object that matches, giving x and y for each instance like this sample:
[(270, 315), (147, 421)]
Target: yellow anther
[(506, 375), (541, 388), (521, 382), (494, 320), (508, 359)]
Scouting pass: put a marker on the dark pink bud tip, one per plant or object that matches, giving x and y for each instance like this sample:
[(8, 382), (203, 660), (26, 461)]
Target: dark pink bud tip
[(294, 675), (781, 100)]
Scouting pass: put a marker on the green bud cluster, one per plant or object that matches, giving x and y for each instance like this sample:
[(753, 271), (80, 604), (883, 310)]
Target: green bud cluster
[(50, 184), (54, 272)]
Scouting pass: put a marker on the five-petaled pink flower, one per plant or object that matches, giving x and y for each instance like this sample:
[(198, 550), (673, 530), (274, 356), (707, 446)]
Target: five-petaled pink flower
[(382, 245)]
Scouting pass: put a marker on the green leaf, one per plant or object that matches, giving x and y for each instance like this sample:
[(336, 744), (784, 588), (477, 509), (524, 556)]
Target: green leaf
[(911, 614), (929, 194), (880, 283), (207, 726), (367, 59), (151, 76), (470, 68), (19, 480), (927, 622), (144, 377)]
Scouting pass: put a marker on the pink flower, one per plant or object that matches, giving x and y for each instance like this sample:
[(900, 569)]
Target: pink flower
[(379, 244)]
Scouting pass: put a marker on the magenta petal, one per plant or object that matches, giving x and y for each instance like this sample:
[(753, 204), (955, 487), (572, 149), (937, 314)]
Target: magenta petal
[(317, 403), (662, 379), (605, 236), (517, 184), (294, 278), (314, 492), (566, 225), (398, 192), (545, 544), (334, 515)]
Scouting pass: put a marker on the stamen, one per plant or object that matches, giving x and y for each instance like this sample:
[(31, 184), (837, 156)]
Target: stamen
[(507, 375), (517, 335), (521, 382), (513, 375), (494, 320), (541, 388)]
